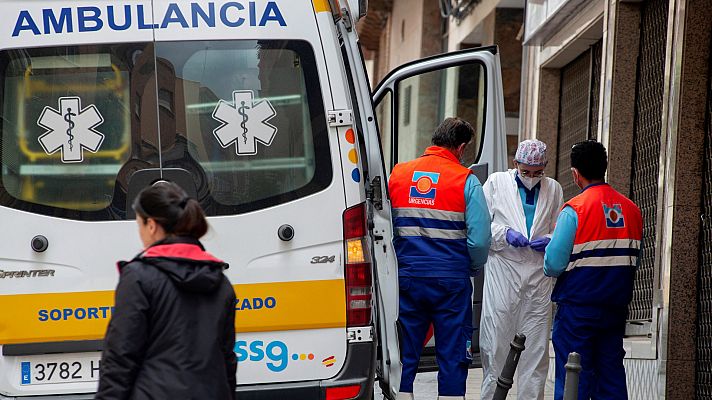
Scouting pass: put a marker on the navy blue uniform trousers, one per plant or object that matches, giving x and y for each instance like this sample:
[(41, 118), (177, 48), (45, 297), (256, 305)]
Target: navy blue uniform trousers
[(596, 333), (447, 304)]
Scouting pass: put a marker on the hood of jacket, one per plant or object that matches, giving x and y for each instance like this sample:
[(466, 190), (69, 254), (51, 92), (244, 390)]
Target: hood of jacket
[(185, 261)]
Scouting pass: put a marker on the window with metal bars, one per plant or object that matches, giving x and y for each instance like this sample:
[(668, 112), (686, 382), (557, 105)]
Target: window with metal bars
[(703, 362), (578, 110), (596, 61), (645, 169)]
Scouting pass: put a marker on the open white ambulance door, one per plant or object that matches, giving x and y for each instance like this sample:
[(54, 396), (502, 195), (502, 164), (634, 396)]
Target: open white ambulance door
[(412, 101)]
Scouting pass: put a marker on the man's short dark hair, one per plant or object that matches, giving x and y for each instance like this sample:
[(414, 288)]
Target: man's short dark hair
[(452, 133), (590, 159)]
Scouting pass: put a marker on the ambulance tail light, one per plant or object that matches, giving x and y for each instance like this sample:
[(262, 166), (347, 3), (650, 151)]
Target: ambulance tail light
[(342, 392), (357, 267)]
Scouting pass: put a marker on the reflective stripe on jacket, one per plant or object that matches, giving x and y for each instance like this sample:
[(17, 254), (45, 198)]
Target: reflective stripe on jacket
[(606, 248), (428, 201)]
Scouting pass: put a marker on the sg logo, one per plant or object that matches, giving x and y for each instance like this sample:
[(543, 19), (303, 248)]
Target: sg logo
[(276, 353)]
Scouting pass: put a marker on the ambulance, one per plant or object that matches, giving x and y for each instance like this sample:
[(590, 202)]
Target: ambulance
[(262, 111)]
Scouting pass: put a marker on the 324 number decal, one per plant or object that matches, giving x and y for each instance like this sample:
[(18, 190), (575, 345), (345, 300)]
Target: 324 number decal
[(64, 371), (323, 259)]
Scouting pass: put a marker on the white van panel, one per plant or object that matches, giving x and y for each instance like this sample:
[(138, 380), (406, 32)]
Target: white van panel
[(351, 157), (290, 356), (83, 255), (265, 258)]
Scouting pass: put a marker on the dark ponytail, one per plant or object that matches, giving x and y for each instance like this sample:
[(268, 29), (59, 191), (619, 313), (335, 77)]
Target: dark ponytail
[(169, 205)]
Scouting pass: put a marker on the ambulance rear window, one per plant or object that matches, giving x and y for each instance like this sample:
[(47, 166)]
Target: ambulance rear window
[(66, 127), (245, 118), (253, 114)]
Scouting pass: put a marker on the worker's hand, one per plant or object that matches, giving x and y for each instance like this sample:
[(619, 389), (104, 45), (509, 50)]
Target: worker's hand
[(516, 239), (540, 244)]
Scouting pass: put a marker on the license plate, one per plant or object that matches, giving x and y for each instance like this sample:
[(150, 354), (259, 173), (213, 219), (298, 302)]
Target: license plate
[(60, 371)]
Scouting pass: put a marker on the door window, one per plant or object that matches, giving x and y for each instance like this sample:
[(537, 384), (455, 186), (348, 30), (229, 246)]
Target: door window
[(74, 127), (245, 118), (425, 100), (385, 118)]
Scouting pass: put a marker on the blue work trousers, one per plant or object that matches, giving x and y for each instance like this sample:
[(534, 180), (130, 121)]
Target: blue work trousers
[(596, 333), (447, 304)]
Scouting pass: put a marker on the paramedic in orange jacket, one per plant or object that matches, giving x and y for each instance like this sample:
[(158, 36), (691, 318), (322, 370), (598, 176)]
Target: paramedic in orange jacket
[(594, 252), (442, 235)]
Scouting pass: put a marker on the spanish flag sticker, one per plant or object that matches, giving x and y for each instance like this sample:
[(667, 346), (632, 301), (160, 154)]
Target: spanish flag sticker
[(329, 361)]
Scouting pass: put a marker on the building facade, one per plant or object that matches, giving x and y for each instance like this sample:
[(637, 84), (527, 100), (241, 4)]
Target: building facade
[(635, 75)]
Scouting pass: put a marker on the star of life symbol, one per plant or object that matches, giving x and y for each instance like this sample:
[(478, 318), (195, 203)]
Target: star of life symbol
[(244, 122), (70, 129)]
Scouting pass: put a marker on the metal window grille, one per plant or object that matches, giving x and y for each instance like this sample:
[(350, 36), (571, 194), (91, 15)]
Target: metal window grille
[(646, 146), (596, 61), (703, 364), (573, 116), (578, 110)]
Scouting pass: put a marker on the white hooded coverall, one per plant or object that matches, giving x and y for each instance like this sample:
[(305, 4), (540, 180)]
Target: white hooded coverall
[(516, 294)]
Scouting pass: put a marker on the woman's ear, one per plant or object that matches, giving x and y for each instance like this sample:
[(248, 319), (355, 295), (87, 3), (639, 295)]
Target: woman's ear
[(151, 225)]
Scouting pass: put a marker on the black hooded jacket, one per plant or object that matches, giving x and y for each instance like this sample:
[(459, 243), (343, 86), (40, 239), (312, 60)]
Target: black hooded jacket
[(172, 332)]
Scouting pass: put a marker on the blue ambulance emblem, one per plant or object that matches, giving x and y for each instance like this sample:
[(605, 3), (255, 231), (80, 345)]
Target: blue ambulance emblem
[(614, 216), (423, 186)]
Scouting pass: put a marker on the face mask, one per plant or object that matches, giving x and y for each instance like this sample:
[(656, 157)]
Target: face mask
[(528, 182)]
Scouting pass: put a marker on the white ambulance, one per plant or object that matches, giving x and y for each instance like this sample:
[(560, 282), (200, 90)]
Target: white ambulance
[(262, 111)]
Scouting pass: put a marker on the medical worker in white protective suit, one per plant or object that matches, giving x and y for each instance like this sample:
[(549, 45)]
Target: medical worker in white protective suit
[(523, 206)]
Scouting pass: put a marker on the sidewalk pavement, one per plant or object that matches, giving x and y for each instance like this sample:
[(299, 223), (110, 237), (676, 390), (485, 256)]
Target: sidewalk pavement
[(426, 387)]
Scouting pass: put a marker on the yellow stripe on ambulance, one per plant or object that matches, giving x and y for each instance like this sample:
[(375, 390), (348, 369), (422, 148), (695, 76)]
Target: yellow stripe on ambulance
[(280, 306)]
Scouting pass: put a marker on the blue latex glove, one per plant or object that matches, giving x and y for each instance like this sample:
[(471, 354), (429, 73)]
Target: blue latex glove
[(516, 239), (540, 244)]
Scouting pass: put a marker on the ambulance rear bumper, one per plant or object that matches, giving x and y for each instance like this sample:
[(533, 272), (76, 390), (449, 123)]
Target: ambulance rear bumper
[(359, 369)]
